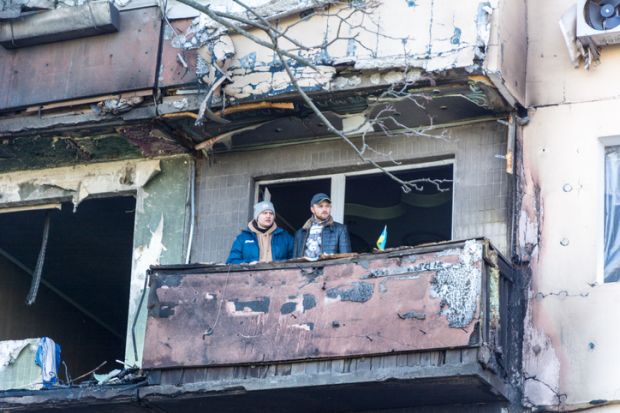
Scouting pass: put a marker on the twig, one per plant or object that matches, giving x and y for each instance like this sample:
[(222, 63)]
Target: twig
[(216, 16), (90, 372)]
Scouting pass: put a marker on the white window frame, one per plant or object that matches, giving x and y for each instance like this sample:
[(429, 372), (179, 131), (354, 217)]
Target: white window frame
[(605, 142), (338, 184)]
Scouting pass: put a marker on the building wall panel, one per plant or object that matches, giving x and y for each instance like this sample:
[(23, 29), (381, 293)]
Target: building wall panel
[(226, 183), (99, 65)]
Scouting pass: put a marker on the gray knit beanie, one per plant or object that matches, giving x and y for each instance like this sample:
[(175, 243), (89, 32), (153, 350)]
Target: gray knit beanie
[(263, 206)]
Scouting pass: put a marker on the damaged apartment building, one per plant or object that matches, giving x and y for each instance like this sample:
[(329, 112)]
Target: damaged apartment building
[(136, 135)]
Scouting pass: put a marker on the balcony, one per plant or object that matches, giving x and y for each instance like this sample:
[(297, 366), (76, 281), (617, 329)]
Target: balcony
[(417, 326)]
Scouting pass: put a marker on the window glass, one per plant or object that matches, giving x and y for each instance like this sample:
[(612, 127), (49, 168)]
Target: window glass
[(612, 214)]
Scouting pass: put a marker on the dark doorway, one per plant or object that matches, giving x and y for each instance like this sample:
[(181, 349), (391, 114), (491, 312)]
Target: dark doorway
[(417, 217), (292, 200), (87, 263)]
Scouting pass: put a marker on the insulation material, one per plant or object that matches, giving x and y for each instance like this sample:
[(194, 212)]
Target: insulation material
[(17, 367)]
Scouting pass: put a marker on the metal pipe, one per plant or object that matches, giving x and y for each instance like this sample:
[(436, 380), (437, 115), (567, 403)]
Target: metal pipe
[(38, 269)]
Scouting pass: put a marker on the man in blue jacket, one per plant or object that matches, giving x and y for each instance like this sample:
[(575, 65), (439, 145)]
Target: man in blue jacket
[(321, 234), (262, 240)]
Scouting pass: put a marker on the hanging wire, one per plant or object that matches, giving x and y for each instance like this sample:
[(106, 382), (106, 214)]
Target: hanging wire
[(135, 318)]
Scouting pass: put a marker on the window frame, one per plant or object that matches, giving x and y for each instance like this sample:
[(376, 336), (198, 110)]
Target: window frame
[(338, 184), (612, 142), (604, 143)]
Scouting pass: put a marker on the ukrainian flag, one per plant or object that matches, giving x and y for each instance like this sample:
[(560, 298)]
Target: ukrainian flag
[(382, 239)]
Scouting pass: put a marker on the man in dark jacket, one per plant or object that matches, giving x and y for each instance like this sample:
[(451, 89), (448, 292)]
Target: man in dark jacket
[(320, 234), (262, 240)]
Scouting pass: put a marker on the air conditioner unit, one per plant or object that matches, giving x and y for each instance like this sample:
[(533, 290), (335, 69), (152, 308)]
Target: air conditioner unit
[(599, 21)]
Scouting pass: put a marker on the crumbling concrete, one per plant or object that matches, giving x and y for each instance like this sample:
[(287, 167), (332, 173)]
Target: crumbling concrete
[(424, 35)]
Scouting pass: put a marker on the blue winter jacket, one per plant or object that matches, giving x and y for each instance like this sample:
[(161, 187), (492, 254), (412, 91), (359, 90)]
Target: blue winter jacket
[(245, 247)]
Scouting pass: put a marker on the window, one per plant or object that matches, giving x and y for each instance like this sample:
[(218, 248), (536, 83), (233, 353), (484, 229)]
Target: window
[(82, 300), (366, 201), (612, 214)]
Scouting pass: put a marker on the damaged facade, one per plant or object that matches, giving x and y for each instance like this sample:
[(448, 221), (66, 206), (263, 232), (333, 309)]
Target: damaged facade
[(564, 219), (144, 133)]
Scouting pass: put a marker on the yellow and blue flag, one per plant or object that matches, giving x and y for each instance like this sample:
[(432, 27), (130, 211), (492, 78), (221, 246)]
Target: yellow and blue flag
[(382, 239)]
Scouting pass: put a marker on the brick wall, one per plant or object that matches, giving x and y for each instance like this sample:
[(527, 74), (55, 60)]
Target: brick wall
[(481, 199)]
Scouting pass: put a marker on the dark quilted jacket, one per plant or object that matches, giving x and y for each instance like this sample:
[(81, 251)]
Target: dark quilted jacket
[(334, 239)]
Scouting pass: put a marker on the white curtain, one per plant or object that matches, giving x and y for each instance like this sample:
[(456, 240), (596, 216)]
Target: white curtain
[(612, 214)]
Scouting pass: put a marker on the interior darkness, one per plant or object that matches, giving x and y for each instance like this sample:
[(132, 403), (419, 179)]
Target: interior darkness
[(421, 216), (292, 201), (88, 259)]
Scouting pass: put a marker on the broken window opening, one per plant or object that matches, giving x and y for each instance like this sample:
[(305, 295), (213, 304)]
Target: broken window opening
[(413, 218), (368, 200), (82, 303), (292, 200), (612, 214)]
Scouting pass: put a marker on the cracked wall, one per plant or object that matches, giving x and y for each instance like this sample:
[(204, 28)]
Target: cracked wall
[(570, 351)]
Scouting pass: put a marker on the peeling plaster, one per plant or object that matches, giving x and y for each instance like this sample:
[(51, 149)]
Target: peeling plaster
[(542, 368), (143, 257), (17, 367), (299, 303), (10, 350), (237, 308), (343, 82), (541, 360), (268, 82), (305, 326), (357, 292), (270, 9), (458, 286), (77, 182), (395, 35)]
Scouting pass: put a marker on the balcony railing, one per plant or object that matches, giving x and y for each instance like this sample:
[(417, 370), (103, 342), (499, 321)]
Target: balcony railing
[(429, 317)]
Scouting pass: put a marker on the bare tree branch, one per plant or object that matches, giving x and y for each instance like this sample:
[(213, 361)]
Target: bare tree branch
[(216, 16), (380, 114)]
